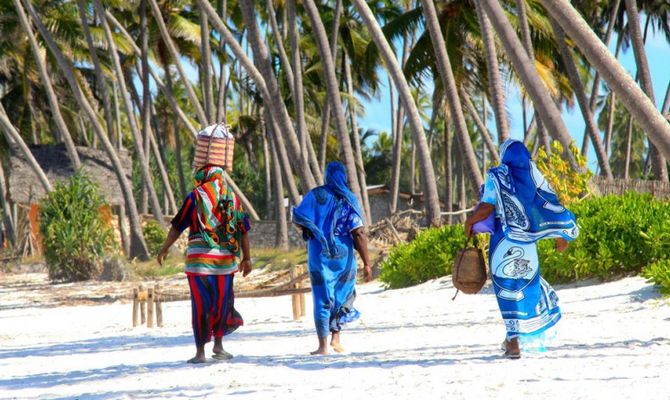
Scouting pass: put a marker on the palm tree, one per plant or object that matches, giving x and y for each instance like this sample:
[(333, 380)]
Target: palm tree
[(432, 204), (7, 219), (495, 84), (659, 162), (333, 91), (578, 87), (453, 100), (544, 104), (138, 247), (640, 106), (48, 86)]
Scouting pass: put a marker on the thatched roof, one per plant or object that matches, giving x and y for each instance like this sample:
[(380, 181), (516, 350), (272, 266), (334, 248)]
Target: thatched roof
[(25, 188)]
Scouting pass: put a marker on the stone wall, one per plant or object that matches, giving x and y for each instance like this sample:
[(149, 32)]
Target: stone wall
[(379, 205), (264, 233)]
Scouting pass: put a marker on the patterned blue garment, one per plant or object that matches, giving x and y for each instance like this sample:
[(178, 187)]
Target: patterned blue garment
[(329, 213), (527, 210)]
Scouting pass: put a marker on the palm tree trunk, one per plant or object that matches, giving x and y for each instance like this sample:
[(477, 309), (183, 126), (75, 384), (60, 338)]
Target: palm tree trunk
[(629, 134), (659, 163), (7, 219), (265, 82), (578, 88), (639, 105), (132, 122), (298, 91), (279, 43), (165, 89), (449, 83), (48, 88), (15, 140), (398, 135), (333, 91), (145, 105), (267, 169), (138, 248), (525, 68), (595, 88), (356, 139), (223, 80), (448, 173), (431, 199), (206, 69), (481, 126), (493, 69), (281, 238), (172, 49), (325, 117), (278, 146)]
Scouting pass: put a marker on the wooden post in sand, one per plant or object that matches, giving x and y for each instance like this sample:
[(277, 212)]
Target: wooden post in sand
[(295, 298), (301, 295), (136, 305), (159, 306), (150, 308), (143, 305)]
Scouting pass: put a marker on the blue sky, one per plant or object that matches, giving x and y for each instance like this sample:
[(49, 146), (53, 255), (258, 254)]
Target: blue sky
[(378, 117)]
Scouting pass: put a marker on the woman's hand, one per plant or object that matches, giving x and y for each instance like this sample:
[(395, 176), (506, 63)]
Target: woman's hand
[(561, 245), (367, 273), (162, 254), (468, 227), (245, 267)]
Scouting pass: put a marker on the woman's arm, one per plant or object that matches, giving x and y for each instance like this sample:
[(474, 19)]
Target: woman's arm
[(361, 245), (172, 237), (245, 264), (480, 214)]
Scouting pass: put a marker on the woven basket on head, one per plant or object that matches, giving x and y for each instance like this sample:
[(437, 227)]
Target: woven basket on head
[(215, 146)]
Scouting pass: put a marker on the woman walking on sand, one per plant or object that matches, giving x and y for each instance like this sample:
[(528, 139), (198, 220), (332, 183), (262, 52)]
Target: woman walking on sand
[(332, 223), (217, 232), (526, 210)]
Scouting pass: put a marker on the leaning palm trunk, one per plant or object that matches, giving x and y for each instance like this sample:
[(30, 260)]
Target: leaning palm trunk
[(172, 49), (638, 104), (333, 92), (281, 240), (578, 88), (206, 69), (658, 161), (629, 135), (15, 140), (298, 92), (544, 104), (265, 80), (278, 143), (468, 157), (448, 173), (481, 126), (7, 219), (595, 88), (432, 203), (138, 248), (398, 121), (48, 88), (493, 69), (143, 158)]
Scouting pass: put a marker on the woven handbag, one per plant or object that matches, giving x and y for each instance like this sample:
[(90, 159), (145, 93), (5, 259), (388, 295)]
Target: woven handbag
[(469, 272)]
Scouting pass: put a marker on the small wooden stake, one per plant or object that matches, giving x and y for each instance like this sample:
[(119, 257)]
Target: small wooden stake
[(136, 305), (150, 308), (159, 306), (295, 298), (143, 305), (301, 296)]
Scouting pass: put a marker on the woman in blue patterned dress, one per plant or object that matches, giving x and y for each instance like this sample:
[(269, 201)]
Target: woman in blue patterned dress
[(526, 210), (332, 223)]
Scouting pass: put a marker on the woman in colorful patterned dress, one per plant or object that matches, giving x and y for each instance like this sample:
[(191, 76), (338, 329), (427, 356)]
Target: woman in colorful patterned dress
[(526, 210), (217, 232), (332, 223)]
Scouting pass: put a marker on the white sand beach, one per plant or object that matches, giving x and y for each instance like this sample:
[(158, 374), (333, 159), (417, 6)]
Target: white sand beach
[(415, 343)]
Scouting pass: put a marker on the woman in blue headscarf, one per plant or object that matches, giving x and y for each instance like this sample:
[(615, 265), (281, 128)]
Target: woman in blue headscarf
[(332, 223), (526, 210)]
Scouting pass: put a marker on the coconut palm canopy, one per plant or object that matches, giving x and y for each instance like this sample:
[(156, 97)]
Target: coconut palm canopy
[(293, 79)]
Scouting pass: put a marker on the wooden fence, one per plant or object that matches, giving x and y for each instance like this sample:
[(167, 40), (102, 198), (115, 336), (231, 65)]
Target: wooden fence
[(658, 189)]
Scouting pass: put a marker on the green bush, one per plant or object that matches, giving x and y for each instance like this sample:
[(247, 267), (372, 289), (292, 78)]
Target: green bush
[(75, 233), (659, 274), (154, 235), (430, 255), (619, 235)]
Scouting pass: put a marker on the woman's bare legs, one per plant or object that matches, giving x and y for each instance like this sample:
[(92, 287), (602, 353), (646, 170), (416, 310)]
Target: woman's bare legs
[(335, 343), (323, 347)]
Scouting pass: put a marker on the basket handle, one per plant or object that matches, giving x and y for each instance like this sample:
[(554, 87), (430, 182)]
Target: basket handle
[(460, 259)]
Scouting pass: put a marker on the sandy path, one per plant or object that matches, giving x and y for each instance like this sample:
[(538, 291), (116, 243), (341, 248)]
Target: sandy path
[(614, 343)]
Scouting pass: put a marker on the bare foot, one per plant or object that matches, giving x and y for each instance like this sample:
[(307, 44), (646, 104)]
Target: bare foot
[(197, 360), (335, 343), (320, 352), (512, 350)]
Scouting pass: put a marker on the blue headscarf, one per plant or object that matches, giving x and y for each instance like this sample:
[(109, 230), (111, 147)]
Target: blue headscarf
[(528, 207), (319, 210)]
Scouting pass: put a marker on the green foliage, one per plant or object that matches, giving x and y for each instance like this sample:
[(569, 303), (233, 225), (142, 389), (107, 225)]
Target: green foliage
[(619, 235), (659, 274), (154, 235), (570, 185), (430, 255), (75, 233)]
